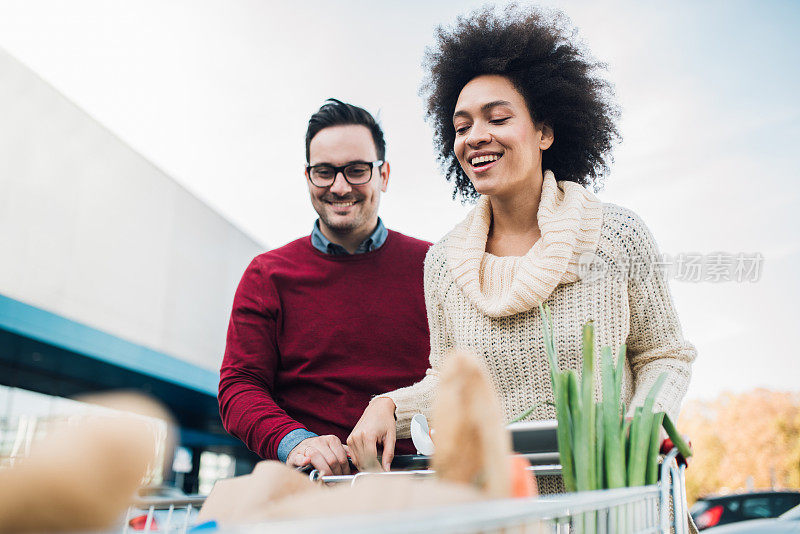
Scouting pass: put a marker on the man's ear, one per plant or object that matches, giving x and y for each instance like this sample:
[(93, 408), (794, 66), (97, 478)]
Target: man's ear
[(385, 169), (547, 137)]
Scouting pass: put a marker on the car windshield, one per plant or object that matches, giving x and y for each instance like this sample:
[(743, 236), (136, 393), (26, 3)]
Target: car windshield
[(793, 514)]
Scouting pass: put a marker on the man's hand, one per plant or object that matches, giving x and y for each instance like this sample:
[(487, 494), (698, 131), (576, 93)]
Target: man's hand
[(325, 453), (377, 425)]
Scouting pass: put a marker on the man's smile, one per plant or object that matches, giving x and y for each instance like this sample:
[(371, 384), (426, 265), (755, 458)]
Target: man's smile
[(341, 203)]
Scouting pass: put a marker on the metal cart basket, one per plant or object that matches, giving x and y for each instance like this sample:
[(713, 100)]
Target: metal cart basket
[(660, 508)]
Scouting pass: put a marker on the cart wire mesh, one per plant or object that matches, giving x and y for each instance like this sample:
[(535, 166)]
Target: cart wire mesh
[(660, 508)]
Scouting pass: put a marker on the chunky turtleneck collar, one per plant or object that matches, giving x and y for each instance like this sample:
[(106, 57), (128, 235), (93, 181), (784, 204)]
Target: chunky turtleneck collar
[(569, 219)]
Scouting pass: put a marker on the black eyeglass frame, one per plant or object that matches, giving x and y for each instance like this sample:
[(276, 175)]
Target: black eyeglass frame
[(343, 169)]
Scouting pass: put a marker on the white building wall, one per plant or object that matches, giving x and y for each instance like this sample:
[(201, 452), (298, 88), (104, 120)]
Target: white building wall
[(92, 231)]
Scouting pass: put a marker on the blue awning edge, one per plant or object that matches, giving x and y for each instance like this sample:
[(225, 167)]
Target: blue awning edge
[(47, 327)]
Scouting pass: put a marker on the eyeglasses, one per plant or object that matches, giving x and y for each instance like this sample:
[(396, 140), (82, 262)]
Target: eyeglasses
[(355, 173)]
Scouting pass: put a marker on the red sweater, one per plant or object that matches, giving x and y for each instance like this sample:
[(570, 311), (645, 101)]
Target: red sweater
[(312, 337)]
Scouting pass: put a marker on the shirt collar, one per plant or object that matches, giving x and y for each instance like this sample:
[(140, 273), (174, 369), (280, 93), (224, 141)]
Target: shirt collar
[(375, 240)]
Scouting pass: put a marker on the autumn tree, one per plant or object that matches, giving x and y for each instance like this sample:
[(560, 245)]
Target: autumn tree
[(743, 440)]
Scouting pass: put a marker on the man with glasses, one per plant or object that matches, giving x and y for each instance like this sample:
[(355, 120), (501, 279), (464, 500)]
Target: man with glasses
[(321, 325)]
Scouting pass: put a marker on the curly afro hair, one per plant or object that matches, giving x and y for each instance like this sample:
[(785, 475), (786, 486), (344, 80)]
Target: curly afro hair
[(540, 55)]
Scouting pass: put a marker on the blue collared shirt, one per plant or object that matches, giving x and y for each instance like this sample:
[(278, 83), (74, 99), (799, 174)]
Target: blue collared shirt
[(375, 240)]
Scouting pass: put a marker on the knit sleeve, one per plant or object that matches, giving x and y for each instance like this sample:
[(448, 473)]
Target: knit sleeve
[(418, 398), (655, 344), (247, 375)]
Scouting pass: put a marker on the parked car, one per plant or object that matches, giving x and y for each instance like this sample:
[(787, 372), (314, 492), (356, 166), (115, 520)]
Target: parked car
[(788, 522), (718, 510)]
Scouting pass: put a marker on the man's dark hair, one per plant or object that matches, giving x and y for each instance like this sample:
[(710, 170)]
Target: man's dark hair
[(558, 79), (337, 113)]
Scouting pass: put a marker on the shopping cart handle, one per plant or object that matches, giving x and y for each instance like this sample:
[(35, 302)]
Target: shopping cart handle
[(401, 462), (310, 467)]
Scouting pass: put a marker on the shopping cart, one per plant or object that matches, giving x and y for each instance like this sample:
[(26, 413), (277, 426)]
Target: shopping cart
[(660, 508), (162, 514), (638, 510)]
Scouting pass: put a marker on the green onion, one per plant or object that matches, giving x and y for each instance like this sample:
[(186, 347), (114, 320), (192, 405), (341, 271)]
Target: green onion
[(612, 433), (529, 411), (598, 459), (626, 428), (565, 445), (587, 405), (651, 476), (581, 445), (676, 438), (559, 382), (637, 455), (598, 447), (640, 435)]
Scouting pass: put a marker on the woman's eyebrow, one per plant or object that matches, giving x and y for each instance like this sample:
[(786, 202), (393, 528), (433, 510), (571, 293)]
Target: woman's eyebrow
[(484, 108), (490, 105)]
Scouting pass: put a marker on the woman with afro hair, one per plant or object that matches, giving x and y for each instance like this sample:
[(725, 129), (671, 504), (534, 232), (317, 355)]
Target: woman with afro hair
[(525, 126)]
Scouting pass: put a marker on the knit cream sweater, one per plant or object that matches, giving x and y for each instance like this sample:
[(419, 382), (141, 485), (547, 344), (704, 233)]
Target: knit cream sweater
[(593, 261)]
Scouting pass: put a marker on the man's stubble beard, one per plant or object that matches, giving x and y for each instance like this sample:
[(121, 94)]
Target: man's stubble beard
[(343, 227), (350, 224)]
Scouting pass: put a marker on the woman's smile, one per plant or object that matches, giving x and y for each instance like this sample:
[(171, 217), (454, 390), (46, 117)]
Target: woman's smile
[(483, 161)]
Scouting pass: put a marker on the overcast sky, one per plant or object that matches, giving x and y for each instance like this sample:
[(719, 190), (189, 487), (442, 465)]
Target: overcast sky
[(218, 93)]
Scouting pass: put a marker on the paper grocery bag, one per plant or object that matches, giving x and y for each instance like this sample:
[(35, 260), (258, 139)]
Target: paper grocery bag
[(243, 499)]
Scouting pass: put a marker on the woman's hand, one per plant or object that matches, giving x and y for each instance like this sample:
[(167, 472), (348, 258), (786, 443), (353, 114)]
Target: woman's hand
[(377, 425), (325, 453)]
